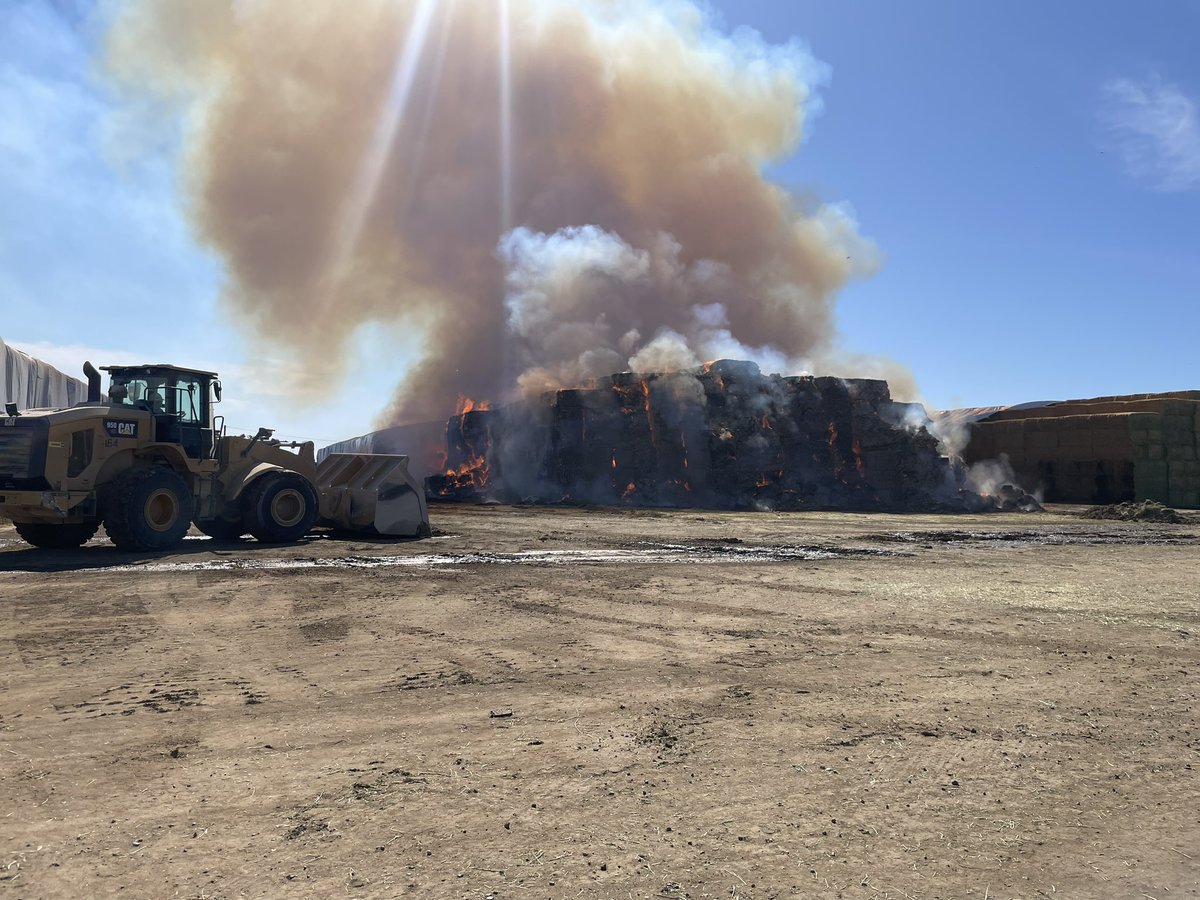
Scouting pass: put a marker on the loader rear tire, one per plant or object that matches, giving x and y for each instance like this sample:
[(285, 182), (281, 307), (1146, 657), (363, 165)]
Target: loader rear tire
[(56, 537), (280, 508), (147, 509), (221, 529)]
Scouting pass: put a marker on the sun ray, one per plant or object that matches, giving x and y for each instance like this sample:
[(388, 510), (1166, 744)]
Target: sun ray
[(375, 158), (413, 174), (506, 113)]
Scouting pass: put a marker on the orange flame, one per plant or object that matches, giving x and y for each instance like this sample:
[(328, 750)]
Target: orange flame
[(624, 398), (649, 411), (708, 368), (466, 405), (472, 468), (858, 460), (473, 473), (833, 451), (629, 489)]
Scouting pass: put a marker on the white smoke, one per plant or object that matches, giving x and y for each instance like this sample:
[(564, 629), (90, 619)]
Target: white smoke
[(583, 303)]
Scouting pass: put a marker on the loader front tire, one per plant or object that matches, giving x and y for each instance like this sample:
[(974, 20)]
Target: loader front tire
[(56, 537), (147, 509), (280, 508)]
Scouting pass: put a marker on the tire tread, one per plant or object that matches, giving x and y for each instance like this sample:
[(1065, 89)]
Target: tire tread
[(47, 536), (257, 516), (123, 510)]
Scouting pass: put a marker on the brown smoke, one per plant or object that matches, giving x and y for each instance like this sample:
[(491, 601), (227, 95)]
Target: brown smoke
[(632, 228)]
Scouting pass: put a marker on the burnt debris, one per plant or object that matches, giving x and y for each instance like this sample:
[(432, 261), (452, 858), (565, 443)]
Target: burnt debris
[(724, 436)]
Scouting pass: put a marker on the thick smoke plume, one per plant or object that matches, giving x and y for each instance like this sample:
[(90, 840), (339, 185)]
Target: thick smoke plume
[(549, 190)]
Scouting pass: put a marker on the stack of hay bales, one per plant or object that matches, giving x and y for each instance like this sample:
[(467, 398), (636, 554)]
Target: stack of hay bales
[(722, 437), (1103, 450)]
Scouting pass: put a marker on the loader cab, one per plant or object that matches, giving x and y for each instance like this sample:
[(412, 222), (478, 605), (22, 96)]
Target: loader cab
[(181, 401)]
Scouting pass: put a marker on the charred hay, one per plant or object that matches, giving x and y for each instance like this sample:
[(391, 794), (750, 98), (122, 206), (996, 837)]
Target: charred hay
[(725, 436)]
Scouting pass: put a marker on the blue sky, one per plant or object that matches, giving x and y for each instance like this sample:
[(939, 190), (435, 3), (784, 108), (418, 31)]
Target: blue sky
[(1030, 171)]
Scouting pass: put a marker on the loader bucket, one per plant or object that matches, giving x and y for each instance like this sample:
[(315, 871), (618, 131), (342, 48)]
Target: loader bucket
[(371, 492)]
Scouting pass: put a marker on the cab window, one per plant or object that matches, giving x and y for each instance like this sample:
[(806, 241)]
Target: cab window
[(127, 391), (188, 400), (143, 390)]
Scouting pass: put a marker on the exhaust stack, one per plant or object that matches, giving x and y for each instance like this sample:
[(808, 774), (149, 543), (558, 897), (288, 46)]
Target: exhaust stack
[(93, 378)]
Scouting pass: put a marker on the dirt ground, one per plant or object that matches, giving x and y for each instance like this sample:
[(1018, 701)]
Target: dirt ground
[(610, 704)]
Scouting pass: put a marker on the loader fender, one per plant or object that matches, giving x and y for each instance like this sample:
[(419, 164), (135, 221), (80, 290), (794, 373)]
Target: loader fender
[(237, 488), (171, 454), (155, 454), (114, 466)]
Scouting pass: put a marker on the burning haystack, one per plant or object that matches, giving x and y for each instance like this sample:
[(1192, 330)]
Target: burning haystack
[(722, 436)]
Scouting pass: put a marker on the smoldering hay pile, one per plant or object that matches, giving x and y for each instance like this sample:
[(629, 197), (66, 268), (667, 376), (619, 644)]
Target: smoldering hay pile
[(720, 436)]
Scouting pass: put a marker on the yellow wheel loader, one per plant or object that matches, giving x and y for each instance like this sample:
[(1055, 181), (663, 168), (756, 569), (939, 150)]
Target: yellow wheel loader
[(153, 459)]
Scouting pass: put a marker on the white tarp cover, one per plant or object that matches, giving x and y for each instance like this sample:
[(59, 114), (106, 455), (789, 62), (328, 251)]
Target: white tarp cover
[(33, 384)]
